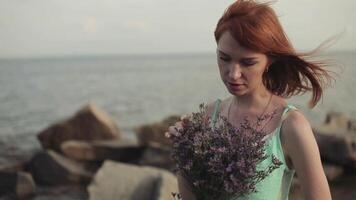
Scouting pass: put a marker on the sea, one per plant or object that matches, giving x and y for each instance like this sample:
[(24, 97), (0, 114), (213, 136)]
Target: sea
[(133, 89)]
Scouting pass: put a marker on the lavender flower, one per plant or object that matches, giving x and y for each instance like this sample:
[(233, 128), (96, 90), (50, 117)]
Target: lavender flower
[(220, 162)]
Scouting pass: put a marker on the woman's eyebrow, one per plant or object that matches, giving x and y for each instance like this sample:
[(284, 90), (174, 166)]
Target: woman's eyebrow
[(247, 58), (221, 52)]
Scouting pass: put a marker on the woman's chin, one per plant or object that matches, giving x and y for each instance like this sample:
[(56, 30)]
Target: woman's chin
[(237, 92)]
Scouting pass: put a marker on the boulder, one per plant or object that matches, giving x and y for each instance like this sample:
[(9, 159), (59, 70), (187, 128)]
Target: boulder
[(337, 148), (51, 168), (337, 120), (156, 132), (332, 172), (129, 182), (353, 125), (123, 150), (19, 185), (89, 123), (344, 187), (15, 166), (156, 155)]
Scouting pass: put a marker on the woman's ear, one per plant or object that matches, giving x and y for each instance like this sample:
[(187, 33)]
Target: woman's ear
[(270, 61)]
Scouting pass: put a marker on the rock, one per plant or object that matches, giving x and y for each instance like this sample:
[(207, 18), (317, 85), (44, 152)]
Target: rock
[(89, 123), (337, 148), (344, 187), (337, 120), (51, 168), (8, 181), (353, 125), (157, 156), (155, 132), (128, 182), (119, 150), (25, 185), (19, 185), (17, 166), (332, 172), (63, 192)]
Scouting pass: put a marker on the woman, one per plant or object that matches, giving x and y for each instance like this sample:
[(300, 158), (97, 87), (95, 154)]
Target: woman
[(260, 68)]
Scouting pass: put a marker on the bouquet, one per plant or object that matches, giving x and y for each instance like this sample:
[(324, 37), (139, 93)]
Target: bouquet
[(219, 162)]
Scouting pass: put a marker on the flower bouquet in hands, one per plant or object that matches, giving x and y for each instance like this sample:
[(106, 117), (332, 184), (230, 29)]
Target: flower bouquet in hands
[(219, 161)]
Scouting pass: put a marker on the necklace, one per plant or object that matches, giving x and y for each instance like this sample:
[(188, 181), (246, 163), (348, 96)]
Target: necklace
[(259, 117)]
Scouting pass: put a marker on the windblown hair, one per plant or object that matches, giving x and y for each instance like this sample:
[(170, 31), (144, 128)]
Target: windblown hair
[(255, 26)]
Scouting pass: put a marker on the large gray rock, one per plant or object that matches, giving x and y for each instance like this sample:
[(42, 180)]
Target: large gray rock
[(129, 182), (16, 184), (123, 150), (89, 123), (51, 168)]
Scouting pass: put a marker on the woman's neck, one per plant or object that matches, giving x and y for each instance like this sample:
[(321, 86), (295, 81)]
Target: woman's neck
[(253, 102)]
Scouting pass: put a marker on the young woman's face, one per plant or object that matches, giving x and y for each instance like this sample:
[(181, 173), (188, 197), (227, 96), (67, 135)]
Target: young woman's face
[(241, 69)]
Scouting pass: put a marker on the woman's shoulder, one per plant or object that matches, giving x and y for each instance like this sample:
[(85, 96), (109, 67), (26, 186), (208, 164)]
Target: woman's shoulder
[(296, 130), (294, 119)]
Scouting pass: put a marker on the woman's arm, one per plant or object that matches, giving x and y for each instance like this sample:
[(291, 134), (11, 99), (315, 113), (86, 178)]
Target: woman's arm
[(184, 188), (303, 150)]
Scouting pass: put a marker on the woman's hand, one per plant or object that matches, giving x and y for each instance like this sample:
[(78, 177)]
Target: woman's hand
[(183, 185), (173, 130)]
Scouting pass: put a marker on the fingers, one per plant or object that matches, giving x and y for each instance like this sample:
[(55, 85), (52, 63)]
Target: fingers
[(174, 130)]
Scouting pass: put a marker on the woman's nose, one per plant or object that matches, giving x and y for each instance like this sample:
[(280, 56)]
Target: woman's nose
[(235, 72)]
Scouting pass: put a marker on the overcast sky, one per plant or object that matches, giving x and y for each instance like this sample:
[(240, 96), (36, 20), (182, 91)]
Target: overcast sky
[(88, 27)]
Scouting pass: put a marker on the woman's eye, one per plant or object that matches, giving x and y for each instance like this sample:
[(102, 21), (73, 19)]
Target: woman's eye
[(224, 59), (248, 63)]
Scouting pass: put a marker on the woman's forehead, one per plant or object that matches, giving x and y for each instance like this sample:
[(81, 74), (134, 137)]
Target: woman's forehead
[(227, 45)]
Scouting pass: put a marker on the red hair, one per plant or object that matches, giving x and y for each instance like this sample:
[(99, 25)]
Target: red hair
[(256, 26)]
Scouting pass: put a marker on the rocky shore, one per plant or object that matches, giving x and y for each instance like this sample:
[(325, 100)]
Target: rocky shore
[(87, 157)]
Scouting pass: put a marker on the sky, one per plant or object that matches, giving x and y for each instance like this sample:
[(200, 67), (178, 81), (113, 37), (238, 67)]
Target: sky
[(47, 28)]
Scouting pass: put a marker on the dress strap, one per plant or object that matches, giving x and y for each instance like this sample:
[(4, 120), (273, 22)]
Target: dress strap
[(214, 115), (285, 111)]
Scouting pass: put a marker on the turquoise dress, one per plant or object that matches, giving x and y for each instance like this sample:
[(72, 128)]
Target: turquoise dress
[(275, 186)]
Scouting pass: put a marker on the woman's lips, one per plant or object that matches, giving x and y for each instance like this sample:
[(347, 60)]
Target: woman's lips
[(235, 86), (235, 83)]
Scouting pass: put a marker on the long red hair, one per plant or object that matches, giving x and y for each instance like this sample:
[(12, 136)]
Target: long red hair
[(256, 26)]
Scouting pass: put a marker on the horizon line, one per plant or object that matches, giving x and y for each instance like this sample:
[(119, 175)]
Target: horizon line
[(112, 55)]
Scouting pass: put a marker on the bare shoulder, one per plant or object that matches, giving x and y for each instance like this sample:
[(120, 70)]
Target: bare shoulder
[(297, 131), (295, 121)]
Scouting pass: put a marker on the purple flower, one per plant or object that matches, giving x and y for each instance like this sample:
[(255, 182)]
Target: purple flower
[(222, 161)]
